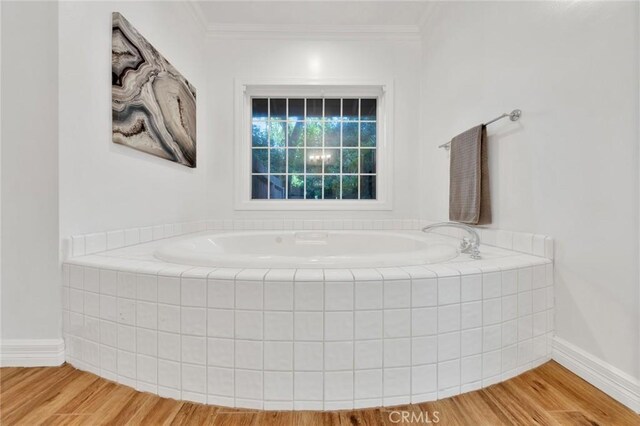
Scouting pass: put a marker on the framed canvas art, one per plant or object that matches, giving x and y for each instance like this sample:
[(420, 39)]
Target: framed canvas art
[(153, 105)]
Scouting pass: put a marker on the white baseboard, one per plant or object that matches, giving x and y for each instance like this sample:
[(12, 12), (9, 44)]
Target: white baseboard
[(612, 381), (31, 353)]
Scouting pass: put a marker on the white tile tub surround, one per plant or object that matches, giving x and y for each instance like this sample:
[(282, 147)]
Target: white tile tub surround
[(309, 339), (81, 245)]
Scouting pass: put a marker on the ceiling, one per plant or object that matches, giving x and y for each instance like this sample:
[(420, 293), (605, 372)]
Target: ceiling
[(313, 13)]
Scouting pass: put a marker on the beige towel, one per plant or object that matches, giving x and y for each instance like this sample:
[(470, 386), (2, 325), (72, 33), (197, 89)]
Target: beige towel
[(469, 198)]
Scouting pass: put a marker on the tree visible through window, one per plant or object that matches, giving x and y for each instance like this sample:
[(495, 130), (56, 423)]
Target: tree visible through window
[(313, 148)]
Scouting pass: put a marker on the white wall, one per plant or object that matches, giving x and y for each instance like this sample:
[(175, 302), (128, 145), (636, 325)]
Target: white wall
[(105, 186), (30, 274), (569, 167), (61, 174), (300, 57)]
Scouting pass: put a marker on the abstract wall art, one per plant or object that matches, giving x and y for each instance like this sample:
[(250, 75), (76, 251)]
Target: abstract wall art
[(154, 106)]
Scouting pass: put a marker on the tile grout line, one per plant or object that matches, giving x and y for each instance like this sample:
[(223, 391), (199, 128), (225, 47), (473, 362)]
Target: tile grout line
[(460, 333), (382, 339), (235, 329), (206, 336), (294, 343), (324, 357), (180, 340), (262, 285), (437, 391), (353, 331), (157, 338), (410, 338), (482, 326)]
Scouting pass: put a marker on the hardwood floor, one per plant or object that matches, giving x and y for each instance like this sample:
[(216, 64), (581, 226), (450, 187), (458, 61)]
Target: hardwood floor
[(548, 395)]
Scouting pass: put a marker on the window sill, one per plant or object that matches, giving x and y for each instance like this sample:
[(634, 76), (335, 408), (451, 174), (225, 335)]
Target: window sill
[(313, 205)]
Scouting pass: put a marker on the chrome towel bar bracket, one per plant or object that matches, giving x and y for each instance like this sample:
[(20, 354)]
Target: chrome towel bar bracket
[(513, 116)]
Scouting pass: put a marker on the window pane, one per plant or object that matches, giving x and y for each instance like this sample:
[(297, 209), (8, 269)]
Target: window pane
[(367, 187), (332, 161), (296, 133), (313, 148), (259, 133), (314, 187), (259, 108), (296, 109), (314, 161), (332, 109), (259, 160), (368, 134), (349, 187), (276, 133), (368, 109), (332, 187), (332, 133), (258, 187), (278, 183), (296, 186), (314, 108), (278, 161), (349, 161), (314, 133), (296, 161), (349, 134), (278, 109), (367, 161), (350, 109)]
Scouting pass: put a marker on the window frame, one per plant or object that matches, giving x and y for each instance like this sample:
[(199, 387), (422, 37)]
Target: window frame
[(245, 91)]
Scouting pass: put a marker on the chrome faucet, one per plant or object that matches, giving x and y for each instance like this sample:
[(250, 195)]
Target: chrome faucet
[(470, 245)]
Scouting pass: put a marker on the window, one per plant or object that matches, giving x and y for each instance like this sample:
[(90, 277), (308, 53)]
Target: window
[(313, 148)]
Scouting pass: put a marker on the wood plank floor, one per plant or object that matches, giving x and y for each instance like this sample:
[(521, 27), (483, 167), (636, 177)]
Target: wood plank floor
[(548, 395)]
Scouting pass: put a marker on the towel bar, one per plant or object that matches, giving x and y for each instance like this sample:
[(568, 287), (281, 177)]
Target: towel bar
[(513, 116)]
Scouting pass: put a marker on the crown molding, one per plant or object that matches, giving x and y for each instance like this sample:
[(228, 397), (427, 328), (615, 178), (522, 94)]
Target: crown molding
[(314, 32), (197, 14)]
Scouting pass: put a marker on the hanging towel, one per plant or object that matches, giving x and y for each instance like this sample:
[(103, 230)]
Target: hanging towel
[(469, 198)]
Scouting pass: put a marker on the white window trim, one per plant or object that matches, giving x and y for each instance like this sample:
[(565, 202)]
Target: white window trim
[(244, 90)]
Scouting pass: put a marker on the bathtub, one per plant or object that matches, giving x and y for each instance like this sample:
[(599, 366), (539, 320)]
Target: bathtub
[(309, 249), (307, 320)]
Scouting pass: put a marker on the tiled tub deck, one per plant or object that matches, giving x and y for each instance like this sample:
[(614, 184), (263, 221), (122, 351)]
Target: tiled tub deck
[(307, 338)]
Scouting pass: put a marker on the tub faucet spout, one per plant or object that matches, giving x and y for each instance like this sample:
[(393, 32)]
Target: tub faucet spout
[(470, 245)]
